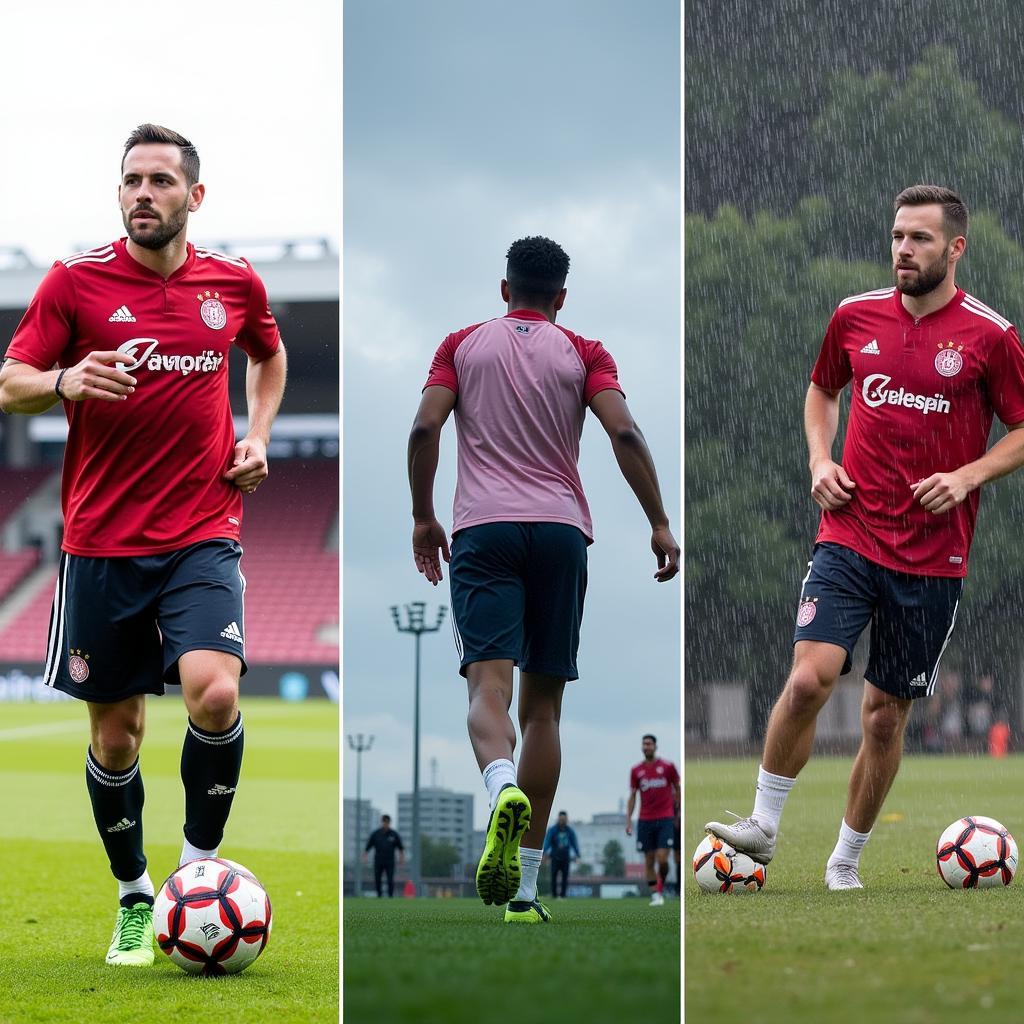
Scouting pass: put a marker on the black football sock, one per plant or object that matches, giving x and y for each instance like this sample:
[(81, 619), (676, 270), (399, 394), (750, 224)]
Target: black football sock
[(210, 765), (117, 799)]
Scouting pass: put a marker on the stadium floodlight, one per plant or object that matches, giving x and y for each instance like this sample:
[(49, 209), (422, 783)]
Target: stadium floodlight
[(415, 616), (359, 747)]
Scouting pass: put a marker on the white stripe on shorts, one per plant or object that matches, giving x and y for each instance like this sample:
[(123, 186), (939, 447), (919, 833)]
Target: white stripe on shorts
[(56, 638)]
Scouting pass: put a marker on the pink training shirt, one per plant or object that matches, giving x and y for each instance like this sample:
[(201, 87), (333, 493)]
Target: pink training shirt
[(523, 387)]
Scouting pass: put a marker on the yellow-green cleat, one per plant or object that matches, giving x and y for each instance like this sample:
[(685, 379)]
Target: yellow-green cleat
[(499, 872), (132, 944), (527, 912)]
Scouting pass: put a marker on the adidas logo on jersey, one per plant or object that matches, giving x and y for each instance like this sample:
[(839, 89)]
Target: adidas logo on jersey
[(230, 632), (871, 348), (122, 826), (219, 790), (921, 680), (121, 315)]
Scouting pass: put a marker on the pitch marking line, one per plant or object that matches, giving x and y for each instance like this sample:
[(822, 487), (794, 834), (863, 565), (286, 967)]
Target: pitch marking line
[(25, 732)]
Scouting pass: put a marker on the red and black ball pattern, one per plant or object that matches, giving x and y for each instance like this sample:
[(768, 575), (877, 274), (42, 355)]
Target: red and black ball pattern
[(974, 869)]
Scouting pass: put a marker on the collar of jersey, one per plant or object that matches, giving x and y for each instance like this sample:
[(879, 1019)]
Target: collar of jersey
[(905, 314), (121, 245), (524, 314)]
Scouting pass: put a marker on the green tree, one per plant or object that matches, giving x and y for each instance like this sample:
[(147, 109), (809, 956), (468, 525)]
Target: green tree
[(439, 857), (613, 859)]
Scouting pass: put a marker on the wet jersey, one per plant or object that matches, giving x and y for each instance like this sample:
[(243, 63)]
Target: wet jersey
[(656, 781), (523, 387), (924, 393), (145, 475)]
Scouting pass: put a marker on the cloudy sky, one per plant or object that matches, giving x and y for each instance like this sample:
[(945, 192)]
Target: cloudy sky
[(255, 84), (468, 125)]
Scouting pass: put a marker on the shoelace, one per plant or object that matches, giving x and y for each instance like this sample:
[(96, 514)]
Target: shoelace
[(845, 872), (133, 924)]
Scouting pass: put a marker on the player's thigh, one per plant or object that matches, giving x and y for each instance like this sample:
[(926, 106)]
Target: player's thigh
[(837, 599), (488, 592), (103, 645), (556, 588), (912, 627), (202, 605)]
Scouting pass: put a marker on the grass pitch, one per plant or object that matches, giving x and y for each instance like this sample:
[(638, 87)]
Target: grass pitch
[(905, 950), (58, 900), (436, 961)]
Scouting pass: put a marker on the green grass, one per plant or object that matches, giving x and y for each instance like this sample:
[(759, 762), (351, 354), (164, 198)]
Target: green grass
[(905, 950), (58, 900), (455, 962)]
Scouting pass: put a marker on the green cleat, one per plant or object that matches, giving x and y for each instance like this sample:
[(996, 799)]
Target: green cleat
[(527, 912), (498, 874), (132, 944)]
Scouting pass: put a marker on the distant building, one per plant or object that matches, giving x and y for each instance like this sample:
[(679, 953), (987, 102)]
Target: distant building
[(444, 816), (369, 819), (595, 834)]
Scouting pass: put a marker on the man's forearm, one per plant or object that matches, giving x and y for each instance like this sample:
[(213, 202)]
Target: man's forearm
[(637, 467), (424, 451), (29, 391), (821, 423), (264, 389), (1005, 456)]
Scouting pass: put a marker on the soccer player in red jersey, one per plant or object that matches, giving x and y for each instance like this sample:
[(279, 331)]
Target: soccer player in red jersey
[(133, 337), (930, 365), (520, 387), (657, 782)]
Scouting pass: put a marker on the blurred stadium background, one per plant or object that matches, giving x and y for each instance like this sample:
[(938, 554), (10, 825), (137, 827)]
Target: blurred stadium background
[(289, 533)]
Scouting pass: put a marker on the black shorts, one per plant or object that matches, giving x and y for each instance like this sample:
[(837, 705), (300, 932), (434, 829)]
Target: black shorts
[(655, 834), (119, 625), (912, 617), (517, 593)]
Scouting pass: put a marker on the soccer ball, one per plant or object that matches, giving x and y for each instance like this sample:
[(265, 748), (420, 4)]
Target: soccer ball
[(719, 868), (212, 916), (976, 853)]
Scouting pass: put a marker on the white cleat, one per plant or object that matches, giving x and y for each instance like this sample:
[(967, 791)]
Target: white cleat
[(842, 875), (657, 900), (746, 835)]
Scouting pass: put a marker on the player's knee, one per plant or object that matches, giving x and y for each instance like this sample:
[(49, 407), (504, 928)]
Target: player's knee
[(883, 724), (807, 688), (216, 708), (116, 745)]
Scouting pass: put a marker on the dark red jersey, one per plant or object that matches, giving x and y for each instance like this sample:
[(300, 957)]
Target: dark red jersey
[(656, 781), (145, 475), (924, 393)]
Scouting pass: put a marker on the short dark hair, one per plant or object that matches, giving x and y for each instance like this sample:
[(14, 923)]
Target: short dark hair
[(155, 133), (537, 268), (649, 736), (385, 817), (954, 209), (566, 813)]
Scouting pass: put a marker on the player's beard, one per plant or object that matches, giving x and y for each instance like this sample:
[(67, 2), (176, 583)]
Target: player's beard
[(928, 278), (160, 234)]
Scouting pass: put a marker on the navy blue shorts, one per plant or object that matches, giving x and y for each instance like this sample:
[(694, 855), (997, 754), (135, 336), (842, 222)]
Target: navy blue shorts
[(655, 834), (119, 625), (517, 593), (911, 617)]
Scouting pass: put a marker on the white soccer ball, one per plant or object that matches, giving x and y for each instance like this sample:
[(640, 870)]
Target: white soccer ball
[(212, 917), (719, 868), (976, 853)]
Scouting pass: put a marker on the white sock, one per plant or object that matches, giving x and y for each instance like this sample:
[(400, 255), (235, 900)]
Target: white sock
[(770, 798), (496, 775), (530, 860), (143, 884), (849, 846), (190, 852)]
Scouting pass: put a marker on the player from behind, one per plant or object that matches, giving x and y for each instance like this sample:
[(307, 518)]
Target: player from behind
[(520, 387), (134, 338), (929, 366), (657, 782)]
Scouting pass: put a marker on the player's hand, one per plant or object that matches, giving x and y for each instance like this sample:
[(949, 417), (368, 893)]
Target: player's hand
[(249, 468), (96, 376), (831, 487), (428, 539), (629, 827), (941, 492), (666, 550)]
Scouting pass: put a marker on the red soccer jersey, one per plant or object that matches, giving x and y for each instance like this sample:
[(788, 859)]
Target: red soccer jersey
[(924, 392), (145, 475), (656, 781)]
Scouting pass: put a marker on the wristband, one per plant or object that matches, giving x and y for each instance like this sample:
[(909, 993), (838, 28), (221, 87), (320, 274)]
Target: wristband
[(56, 386)]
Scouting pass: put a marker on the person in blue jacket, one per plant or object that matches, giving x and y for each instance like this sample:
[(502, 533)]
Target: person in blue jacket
[(561, 846)]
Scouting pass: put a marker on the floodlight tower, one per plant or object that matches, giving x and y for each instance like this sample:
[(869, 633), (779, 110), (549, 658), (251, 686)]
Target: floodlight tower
[(359, 747)]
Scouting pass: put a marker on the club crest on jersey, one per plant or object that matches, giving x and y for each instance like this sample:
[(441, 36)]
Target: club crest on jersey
[(212, 310), (949, 362), (78, 666), (806, 612)]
